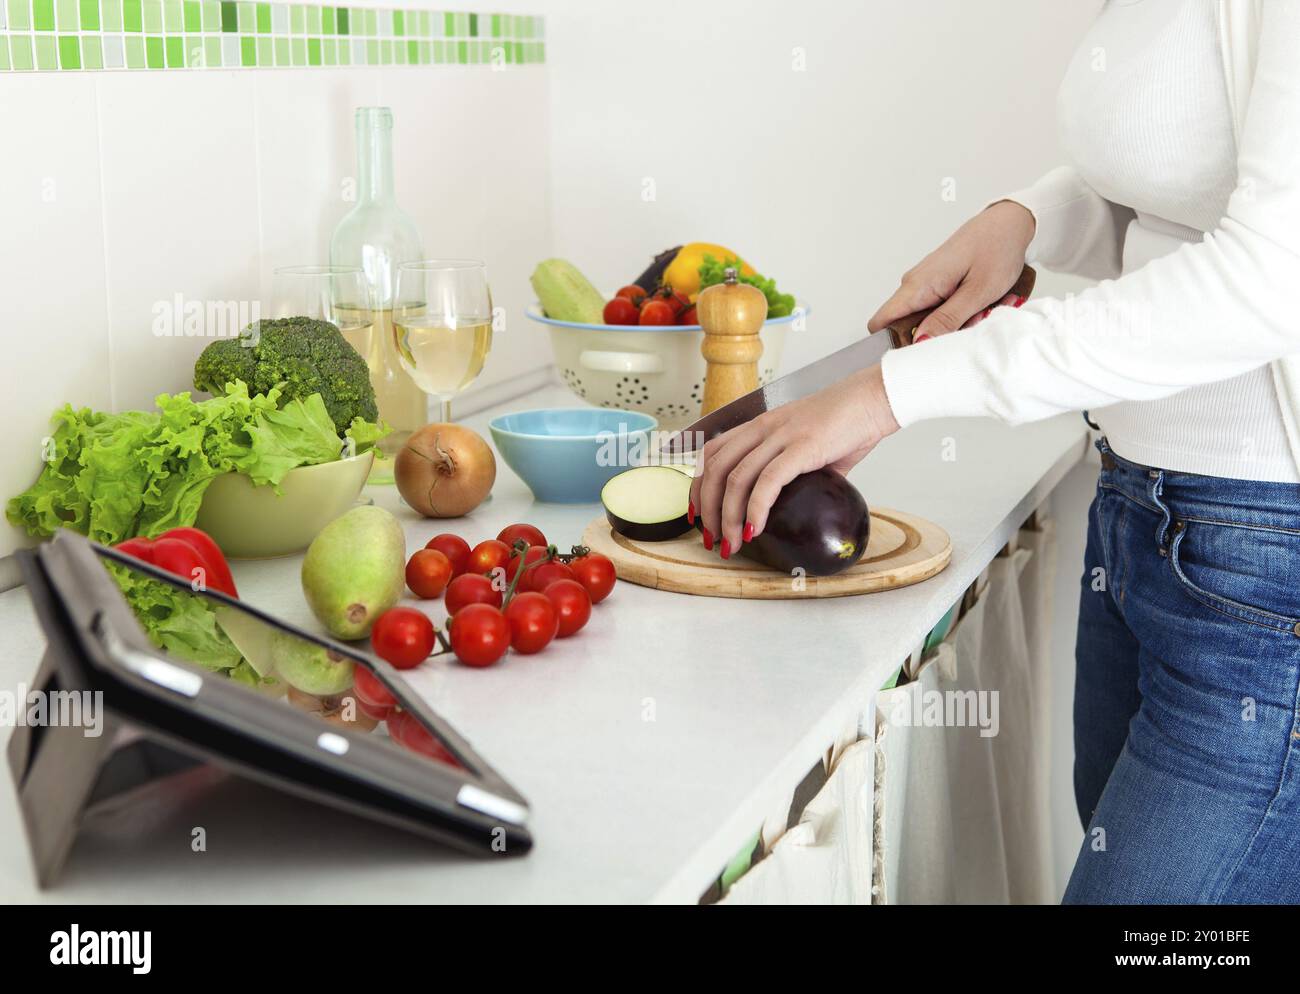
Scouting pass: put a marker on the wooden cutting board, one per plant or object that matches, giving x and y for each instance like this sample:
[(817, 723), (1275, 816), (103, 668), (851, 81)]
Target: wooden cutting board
[(901, 549)]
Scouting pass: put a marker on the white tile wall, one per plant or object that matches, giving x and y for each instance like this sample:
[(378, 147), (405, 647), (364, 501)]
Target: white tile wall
[(306, 149), (179, 166), (469, 166), (53, 317), (211, 180)]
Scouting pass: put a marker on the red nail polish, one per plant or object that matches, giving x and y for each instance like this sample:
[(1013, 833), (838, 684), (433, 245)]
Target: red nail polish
[(1019, 301), (726, 549), (748, 534), (987, 312), (919, 339), (708, 539), (690, 512)]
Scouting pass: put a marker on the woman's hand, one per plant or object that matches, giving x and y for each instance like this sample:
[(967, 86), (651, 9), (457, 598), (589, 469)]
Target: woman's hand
[(743, 470), (966, 275)]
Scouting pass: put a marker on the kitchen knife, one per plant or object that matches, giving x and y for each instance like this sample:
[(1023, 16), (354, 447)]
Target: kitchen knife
[(811, 378)]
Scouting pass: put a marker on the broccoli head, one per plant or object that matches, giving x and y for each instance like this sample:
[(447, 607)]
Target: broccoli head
[(300, 355)]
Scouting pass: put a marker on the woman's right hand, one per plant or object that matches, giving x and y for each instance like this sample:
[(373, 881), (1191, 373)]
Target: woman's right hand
[(966, 275)]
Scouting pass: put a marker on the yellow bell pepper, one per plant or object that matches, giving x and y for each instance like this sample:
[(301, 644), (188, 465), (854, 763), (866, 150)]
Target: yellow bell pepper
[(683, 273)]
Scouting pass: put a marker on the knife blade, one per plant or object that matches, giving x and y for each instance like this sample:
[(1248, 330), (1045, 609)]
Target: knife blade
[(811, 378), (802, 382)]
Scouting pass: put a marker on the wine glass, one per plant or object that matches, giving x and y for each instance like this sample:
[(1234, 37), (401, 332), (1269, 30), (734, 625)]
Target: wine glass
[(337, 294), (340, 295), (442, 325)]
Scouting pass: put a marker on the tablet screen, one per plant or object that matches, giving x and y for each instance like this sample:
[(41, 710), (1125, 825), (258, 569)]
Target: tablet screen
[(340, 688)]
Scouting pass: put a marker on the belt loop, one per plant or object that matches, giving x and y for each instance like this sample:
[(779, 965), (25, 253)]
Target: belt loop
[(1107, 460)]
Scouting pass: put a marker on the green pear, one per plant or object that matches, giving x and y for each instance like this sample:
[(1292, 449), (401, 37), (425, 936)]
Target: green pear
[(354, 571), (309, 667)]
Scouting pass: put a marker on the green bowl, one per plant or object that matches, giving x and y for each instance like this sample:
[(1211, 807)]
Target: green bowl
[(251, 522)]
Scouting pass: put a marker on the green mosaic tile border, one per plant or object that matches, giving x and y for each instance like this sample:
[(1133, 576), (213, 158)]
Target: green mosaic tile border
[(79, 35)]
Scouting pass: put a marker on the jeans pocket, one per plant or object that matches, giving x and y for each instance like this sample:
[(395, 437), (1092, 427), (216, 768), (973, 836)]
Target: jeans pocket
[(1242, 571)]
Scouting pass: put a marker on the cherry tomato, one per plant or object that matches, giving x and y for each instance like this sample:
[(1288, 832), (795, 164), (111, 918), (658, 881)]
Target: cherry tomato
[(428, 573), (480, 635), (407, 730), (540, 577), (620, 310), (403, 636), (471, 588), (657, 312), (533, 622), (488, 555), (572, 604), (531, 534), (633, 293), (369, 689), (596, 574), (370, 710), (688, 316), (455, 548), (677, 300), (535, 553)]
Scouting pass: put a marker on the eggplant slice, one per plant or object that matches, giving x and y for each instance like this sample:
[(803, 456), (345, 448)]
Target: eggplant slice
[(648, 504)]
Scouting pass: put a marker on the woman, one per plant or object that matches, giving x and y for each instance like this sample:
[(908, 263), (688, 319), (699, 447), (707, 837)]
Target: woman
[(1187, 743)]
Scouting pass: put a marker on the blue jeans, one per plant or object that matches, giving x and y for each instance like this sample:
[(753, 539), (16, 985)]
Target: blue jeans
[(1186, 716)]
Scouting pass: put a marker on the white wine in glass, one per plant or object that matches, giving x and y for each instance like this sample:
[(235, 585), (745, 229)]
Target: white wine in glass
[(442, 325)]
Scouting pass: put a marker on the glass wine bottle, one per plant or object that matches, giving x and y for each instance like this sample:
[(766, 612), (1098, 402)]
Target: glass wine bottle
[(378, 236)]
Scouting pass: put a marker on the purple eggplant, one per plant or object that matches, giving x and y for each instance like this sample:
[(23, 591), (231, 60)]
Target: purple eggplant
[(819, 523), (650, 280)]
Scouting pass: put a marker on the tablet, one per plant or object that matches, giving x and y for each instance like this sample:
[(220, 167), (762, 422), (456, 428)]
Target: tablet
[(214, 678)]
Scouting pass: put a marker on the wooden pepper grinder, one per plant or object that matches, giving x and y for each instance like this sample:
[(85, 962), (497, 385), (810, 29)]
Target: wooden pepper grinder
[(731, 313)]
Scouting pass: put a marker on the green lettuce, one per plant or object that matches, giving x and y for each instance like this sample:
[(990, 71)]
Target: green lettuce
[(298, 434), (177, 621), (116, 476), (365, 434), (779, 304), (183, 624)]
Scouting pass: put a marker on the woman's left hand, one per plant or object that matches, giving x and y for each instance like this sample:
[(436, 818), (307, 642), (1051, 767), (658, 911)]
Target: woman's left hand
[(743, 470)]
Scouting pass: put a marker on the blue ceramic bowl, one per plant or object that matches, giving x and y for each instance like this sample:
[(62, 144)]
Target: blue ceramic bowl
[(566, 455)]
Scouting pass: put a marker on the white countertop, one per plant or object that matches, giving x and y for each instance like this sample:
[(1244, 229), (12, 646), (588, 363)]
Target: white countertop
[(745, 695)]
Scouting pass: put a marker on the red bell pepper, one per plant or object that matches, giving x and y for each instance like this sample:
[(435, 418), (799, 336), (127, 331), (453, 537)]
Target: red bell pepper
[(186, 552)]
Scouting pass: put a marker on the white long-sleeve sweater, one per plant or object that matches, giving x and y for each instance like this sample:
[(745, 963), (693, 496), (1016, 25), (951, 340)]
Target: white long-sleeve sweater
[(1196, 241)]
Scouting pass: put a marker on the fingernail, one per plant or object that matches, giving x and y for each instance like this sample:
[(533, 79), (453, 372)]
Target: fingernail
[(920, 338), (708, 539), (690, 512), (748, 534), (726, 549), (987, 312), (1019, 301)]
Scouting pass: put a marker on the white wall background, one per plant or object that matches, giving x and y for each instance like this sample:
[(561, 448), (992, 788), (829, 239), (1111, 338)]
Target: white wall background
[(829, 178)]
